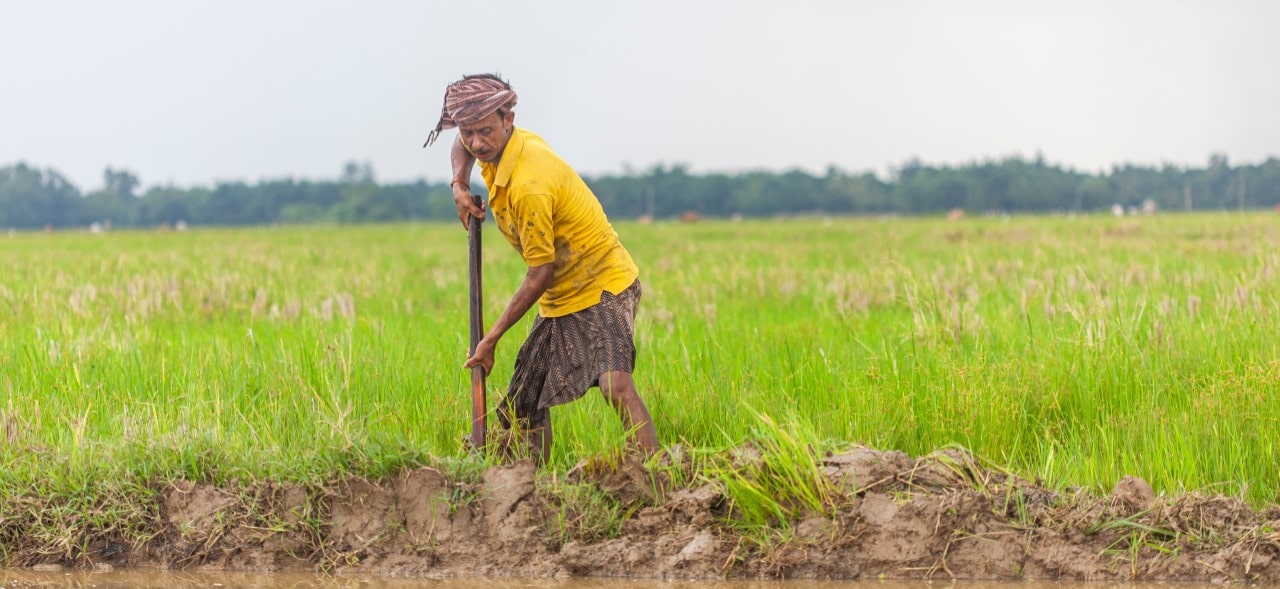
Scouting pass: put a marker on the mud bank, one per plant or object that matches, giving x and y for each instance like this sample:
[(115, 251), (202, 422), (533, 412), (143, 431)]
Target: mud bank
[(942, 516)]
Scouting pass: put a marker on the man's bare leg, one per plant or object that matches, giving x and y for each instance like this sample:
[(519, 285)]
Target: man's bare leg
[(539, 439), (537, 435), (620, 390)]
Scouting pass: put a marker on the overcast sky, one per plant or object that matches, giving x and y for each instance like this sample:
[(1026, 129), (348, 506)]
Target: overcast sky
[(193, 92)]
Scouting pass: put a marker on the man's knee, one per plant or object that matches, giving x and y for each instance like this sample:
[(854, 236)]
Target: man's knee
[(617, 386)]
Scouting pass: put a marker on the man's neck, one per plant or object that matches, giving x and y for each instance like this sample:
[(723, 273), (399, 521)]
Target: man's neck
[(503, 151)]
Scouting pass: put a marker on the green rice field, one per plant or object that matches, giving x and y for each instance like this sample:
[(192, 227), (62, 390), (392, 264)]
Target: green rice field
[(1072, 349)]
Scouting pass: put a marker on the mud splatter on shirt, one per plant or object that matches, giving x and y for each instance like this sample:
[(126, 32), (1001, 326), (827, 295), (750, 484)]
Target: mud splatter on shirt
[(550, 216)]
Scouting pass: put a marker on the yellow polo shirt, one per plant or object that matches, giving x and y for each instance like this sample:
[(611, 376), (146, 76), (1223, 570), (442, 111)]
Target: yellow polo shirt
[(550, 216)]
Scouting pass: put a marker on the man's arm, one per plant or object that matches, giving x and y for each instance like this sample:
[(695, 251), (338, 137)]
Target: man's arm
[(462, 163), (536, 281)]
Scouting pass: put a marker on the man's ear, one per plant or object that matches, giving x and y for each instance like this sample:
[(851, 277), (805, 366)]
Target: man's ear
[(509, 120)]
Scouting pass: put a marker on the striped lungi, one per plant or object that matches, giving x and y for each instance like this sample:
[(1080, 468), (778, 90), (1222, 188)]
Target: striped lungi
[(565, 356)]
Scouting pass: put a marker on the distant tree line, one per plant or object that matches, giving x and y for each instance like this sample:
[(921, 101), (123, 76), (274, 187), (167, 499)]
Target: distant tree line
[(33, 198)]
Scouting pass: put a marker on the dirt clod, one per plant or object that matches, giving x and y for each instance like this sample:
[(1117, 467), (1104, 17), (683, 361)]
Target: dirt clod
[(1134, 493)]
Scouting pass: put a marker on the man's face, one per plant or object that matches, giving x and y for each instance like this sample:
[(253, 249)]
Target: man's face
[(487, 137)]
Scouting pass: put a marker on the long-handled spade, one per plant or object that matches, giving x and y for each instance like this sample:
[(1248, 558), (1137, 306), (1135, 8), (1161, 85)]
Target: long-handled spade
[(478, 408)]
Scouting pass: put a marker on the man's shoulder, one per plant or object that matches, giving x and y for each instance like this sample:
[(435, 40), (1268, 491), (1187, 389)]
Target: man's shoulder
[(536, 149), (539, 168)]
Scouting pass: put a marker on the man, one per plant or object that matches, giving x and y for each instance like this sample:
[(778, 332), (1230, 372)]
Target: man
[(584, 282)]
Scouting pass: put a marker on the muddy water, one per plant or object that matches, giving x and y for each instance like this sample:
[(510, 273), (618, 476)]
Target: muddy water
[(22, 579)]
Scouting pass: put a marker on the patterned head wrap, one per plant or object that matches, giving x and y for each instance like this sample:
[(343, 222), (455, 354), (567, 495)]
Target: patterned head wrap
[(470, 99)]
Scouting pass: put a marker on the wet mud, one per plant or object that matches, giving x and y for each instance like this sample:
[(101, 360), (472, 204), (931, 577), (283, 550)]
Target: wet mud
[(942, 516)]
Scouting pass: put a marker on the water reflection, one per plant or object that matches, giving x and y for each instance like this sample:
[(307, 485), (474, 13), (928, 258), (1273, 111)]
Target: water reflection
[(23, 579)]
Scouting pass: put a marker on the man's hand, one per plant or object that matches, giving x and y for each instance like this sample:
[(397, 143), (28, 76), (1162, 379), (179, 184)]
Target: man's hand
[(466, 204), (536, 281), (483, 355)]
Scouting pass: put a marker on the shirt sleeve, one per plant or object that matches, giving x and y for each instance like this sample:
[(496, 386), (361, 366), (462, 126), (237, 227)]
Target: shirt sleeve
[(536, 229)]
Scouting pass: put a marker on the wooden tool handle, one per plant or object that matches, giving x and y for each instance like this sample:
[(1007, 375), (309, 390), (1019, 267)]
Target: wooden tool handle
[(478, 402)]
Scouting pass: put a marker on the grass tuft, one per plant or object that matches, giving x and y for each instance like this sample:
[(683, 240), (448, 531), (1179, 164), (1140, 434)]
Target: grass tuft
[(776, 477)]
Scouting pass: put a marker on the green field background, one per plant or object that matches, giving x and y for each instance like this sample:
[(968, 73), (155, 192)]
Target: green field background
[(1073, 349)]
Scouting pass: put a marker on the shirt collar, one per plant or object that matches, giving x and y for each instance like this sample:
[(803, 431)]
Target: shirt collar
[(510, 154)]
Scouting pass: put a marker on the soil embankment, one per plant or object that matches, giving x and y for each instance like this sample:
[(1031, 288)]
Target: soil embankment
[(942, 516)]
